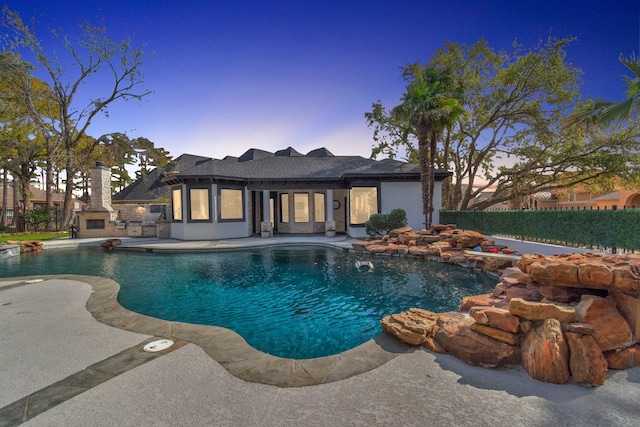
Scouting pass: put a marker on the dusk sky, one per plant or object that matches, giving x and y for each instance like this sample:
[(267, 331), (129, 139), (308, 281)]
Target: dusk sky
[(231, 75)]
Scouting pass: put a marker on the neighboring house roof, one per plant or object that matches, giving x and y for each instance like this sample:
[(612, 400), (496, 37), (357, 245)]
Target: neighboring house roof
[(611, 196), (36, 196), (544, 196), (257, 168)]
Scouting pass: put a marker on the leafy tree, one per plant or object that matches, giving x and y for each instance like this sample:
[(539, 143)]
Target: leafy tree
[(92, 56), (607, 113), (512, 139), (24, 149), (21, 144), (26, 92), (149, 155)]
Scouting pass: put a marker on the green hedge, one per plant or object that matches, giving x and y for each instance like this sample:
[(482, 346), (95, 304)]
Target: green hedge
[(599, 228)]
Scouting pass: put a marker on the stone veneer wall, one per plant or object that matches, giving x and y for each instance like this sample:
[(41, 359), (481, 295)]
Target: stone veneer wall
[(109, 230), (566, 317), (100, 177), (131, 212)]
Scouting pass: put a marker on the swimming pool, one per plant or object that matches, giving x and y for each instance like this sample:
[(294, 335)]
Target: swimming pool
[(296, 302)]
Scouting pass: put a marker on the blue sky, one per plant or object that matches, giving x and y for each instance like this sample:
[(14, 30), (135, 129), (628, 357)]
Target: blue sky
[(227, 76)]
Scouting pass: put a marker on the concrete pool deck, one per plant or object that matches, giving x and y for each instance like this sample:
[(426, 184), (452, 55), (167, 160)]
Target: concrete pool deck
[(61, 366)]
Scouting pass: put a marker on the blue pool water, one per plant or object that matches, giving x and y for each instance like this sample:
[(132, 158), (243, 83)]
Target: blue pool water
[(298, 302)]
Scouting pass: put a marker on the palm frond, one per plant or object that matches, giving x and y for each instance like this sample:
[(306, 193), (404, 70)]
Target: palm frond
[(617, 113), (633, 64), (588, 114)]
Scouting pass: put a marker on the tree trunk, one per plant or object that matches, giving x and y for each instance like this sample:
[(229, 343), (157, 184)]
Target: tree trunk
[(67, 210), (432, 176), (24, 190), (16, 203), (423, 151), (49, 183), (5, 198)]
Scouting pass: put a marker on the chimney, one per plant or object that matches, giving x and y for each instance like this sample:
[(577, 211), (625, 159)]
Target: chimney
[(100, 188)]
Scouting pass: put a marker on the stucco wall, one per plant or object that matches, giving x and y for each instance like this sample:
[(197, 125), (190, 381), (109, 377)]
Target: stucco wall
[(403, 195), (407, 196), (208, 231)]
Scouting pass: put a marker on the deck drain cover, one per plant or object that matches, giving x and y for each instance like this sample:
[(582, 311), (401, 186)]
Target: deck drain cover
[(158, 345)]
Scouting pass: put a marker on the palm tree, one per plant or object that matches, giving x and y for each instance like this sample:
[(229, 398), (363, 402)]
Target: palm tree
[(431, 104), (607, 113)]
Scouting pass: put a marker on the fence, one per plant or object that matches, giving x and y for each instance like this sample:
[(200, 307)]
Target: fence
[(11, 226), (605, 229)]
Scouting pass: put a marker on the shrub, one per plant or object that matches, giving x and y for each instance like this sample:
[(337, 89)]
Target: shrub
[(381, 224), (38, 218)]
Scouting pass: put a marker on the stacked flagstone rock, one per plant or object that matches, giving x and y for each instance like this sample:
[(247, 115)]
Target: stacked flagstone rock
[(27, 245), (108, 244), (442, 243), (568, 316)]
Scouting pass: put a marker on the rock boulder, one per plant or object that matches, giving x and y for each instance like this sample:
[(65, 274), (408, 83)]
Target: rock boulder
[(587, 363), (625, 358), (454, 334), (542, 310), (545, 354), (611, 331), (496, 318), (414, 326)]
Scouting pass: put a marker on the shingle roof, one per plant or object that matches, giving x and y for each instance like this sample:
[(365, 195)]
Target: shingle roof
[(256, 166), (299, 168), (610, 196), (287, 152), (544, 196), (150, 186), (320, 152)]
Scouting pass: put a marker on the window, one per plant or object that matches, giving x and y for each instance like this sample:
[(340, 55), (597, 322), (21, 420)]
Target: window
[(176, 201), (284, 207), (301, 207), (199, 204), (363, 203), (231, 204), (318, 199)]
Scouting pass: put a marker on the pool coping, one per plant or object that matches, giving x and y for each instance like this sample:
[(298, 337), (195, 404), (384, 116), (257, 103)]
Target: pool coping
[(226, 346)]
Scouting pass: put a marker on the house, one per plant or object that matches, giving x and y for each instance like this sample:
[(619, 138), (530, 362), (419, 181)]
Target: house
[(284, 192), (37, 199), (581, 198), (577, 198)]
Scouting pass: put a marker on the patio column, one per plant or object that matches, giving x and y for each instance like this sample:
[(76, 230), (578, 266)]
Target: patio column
[(329, 205), (265, 226), (266, 214), (330, 224)]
